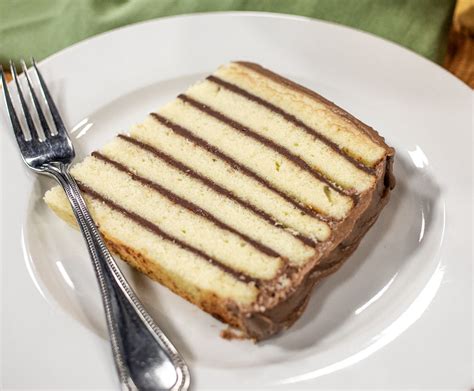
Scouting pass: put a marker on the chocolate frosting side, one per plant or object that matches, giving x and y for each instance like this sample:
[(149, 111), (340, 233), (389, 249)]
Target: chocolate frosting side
[(281, 302), (271, 315), (276, 317)]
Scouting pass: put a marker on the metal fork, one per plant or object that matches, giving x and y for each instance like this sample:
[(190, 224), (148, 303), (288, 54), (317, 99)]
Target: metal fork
[(144, 356)]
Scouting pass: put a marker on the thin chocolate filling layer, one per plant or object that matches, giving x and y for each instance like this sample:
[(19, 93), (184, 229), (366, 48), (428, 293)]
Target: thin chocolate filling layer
[(214, 186), (186, 134), (148, 225), (290, 118), (186, 204), (264, 141)]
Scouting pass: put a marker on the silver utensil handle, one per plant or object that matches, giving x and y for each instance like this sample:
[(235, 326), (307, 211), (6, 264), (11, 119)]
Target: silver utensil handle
[(144, 356)]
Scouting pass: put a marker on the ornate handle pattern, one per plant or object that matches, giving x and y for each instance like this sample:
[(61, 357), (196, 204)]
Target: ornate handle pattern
[(144, 357)]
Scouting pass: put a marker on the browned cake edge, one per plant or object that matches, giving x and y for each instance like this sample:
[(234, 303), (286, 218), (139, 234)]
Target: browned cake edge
[(207, 301)]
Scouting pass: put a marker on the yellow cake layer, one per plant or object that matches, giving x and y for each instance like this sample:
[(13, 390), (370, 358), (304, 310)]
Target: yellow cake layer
[(310, 111)]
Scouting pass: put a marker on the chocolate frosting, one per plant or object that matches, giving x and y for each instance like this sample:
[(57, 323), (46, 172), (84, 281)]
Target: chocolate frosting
[(280, 315), (280, 305)]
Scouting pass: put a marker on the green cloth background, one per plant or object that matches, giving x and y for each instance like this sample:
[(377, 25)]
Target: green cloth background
[(41, 27)]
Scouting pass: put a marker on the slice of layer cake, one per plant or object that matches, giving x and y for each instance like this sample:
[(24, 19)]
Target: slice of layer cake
[(239, 195)]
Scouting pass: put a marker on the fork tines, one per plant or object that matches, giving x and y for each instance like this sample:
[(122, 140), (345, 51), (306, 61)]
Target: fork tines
[(60, 129)]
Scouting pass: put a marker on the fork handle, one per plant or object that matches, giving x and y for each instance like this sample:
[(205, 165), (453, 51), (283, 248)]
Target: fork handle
[(144, 356)]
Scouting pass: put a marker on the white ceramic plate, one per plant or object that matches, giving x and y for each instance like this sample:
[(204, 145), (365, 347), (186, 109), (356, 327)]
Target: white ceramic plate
[(398, 314)]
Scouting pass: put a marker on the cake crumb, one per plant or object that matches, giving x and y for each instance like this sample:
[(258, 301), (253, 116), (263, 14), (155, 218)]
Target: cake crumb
[(231, 334)]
